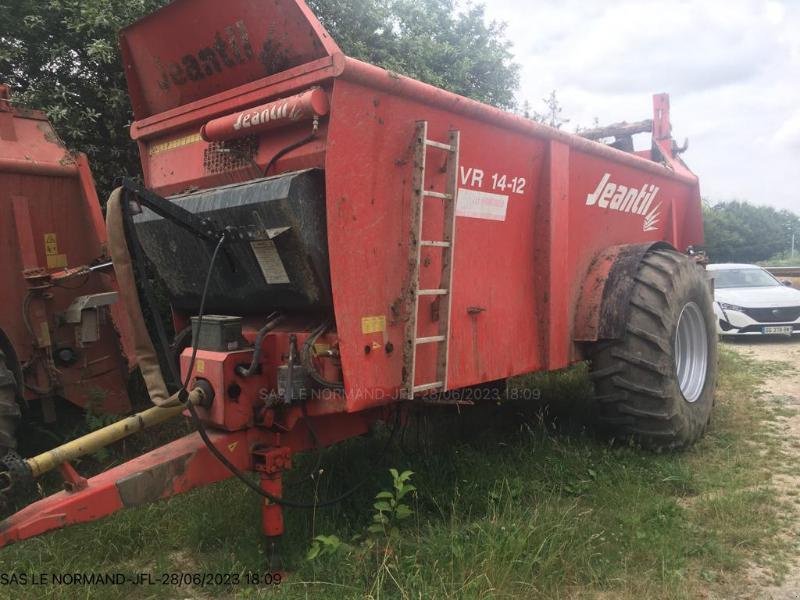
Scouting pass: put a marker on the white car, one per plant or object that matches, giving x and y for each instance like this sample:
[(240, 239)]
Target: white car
[(748, 300)]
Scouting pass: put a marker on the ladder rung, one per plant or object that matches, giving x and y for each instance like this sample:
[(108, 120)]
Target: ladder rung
[(434, 400), (428, 386), (430, 340), (439, 145), (448, 194), (432, 194)]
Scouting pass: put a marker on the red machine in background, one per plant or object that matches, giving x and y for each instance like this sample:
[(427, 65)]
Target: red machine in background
[(344, 242), (57, 290)]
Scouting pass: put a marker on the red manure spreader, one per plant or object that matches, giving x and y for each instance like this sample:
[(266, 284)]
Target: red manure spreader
[(339, 242), (58, 298)]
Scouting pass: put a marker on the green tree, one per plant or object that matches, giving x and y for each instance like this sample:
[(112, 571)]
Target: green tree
[(737, 231), (62, 56), (552, 112), (430, 40)]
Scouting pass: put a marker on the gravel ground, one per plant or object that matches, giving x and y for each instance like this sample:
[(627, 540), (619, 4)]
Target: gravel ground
[(784, 390)]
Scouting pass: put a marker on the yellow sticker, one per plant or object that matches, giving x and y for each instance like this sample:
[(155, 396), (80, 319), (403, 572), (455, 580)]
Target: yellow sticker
[(373, 324), (232, 447), (174, 143), (50, 244), (44, 336), (321, 348), (56, 261), (200, 366)]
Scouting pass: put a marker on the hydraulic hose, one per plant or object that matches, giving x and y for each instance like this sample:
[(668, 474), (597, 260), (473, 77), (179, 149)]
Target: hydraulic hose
[(151, 370), (308, 363), (294, 146), (272, 321)]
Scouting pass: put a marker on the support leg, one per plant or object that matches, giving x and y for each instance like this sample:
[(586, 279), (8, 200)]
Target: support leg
[(270, 464)]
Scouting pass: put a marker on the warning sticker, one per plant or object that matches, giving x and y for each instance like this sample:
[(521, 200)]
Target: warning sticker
[(481, 205), (50, 244), (174, 143), (375, 324), (270, 261), (54, 259)]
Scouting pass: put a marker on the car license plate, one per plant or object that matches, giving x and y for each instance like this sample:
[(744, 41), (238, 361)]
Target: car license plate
[(781, 330)]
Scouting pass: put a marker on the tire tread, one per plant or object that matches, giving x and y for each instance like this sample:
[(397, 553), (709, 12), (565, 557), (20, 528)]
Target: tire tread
[(9, 408), (634, 378)]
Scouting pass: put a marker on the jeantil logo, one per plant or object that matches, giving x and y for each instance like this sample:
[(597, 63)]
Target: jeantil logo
[(621, 198)]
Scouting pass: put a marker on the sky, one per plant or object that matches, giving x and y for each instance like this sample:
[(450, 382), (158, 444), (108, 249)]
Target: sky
[(731, 67)]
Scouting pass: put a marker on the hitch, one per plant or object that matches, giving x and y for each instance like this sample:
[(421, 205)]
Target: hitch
[(17, 473), (15, 477)]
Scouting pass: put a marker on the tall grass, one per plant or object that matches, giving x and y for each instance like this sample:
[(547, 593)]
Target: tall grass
[(517, 500)]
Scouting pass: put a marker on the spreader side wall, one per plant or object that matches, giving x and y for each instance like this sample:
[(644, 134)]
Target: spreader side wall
[(369, 166), (517, 272), (674, 215)]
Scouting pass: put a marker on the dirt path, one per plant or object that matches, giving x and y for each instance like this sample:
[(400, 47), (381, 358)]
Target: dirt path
[(783, 392)]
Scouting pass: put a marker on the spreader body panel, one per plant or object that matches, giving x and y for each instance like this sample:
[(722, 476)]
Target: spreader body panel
[(535, 205)]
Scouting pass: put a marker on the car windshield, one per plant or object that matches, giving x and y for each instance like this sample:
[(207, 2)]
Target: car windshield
[(743, 278)]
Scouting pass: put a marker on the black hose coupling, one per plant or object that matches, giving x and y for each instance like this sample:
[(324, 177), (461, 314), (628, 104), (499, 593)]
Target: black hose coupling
[(207, 391), (15, 476)]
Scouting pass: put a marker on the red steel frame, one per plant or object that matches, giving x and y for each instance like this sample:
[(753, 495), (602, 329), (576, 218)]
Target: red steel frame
[(540, 222), (51, 223)]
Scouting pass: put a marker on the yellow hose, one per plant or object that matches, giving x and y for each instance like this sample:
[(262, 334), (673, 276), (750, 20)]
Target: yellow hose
[(94, 441), (166, 406)]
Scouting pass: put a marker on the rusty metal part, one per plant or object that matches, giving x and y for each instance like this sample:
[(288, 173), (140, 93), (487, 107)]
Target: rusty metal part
[(145, 486)]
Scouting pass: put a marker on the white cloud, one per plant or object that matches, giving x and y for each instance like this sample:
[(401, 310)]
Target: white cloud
[(788, 136), (732, 68)]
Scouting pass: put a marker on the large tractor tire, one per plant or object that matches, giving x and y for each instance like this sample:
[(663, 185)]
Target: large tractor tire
[(656, 383), (9, 408)]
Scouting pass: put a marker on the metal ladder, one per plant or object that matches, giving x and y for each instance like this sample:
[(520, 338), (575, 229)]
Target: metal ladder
[(412, 341)]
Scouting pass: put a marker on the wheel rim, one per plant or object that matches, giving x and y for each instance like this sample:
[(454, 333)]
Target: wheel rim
[(691, 351)]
